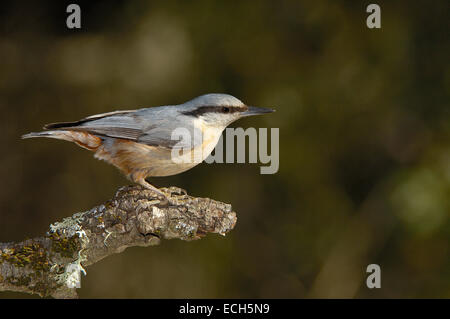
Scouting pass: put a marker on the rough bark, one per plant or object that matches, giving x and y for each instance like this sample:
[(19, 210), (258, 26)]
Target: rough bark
[(51, 265)]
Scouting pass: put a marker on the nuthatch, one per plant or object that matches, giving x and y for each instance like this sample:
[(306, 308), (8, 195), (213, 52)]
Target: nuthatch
[(140, 142)]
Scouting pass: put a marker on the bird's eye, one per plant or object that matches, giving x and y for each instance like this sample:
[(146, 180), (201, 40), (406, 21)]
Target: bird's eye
[(226, 109)]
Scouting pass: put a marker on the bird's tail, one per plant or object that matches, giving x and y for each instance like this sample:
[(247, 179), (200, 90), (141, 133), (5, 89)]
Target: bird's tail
[(83, 139), (50, 134)]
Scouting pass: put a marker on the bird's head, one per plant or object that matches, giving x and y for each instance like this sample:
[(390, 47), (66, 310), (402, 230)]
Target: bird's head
[(220, 110)]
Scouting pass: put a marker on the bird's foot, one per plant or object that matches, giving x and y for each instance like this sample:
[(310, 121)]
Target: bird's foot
[(160, 195), (163, 194), (161, 199)]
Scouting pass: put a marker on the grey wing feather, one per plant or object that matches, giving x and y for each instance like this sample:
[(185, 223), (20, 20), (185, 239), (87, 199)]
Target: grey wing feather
[(165, 127), (149, 126), (98, 116), (124, 125), (118, 124), (117, 132), (65, 125), (162, 137)]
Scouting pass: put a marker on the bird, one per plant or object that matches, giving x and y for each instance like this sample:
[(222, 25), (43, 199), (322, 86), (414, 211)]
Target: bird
[(141, 142)]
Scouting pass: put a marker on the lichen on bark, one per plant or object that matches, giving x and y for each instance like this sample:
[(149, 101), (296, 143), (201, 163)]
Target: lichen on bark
[(52, 265)]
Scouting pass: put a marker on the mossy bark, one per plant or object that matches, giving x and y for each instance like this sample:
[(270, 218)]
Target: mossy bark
[(51, 265)]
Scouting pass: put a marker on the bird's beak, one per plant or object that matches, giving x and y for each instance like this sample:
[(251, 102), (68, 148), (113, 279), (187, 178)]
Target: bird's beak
[(253, 110)]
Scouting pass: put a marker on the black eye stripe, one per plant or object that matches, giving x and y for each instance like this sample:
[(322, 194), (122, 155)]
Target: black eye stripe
[(215, 109)]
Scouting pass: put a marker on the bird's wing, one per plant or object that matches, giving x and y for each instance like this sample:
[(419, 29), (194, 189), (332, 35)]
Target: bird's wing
[(146, 126), (119, 124), (65, 125), (169, 137)]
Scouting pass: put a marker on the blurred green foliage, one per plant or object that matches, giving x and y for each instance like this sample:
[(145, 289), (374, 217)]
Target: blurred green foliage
[(364, 139)]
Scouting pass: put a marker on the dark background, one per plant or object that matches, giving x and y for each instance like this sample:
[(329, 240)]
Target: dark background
[(364, 140)]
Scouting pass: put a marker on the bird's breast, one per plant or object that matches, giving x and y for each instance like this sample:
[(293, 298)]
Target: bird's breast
[(211, 136)]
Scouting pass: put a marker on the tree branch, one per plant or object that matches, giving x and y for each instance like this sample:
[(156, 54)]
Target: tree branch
[(51, 265)]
